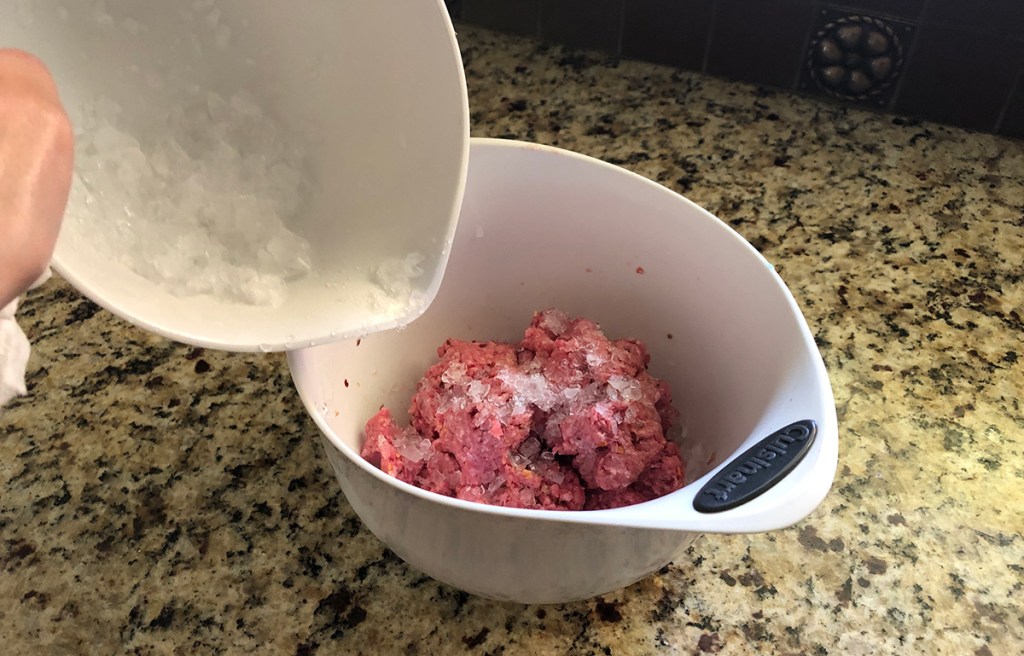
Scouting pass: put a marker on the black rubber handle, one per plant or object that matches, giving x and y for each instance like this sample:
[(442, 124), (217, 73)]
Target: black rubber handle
[(756, 470)]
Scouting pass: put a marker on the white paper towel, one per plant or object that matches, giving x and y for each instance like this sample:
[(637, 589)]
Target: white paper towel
[(14, 350)]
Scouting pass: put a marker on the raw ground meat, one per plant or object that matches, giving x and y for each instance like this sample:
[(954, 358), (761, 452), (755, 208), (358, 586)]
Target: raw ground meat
[(565, 420)]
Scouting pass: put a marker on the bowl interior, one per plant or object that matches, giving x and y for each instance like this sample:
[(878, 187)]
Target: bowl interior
[(542, 227), (385, 130)]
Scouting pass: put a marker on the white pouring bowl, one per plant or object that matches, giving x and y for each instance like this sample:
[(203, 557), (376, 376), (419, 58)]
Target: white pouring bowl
[(375, 93), (542, 227)]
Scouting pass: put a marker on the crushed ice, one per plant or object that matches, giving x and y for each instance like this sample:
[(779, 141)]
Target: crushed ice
[(529, 389), (624, 389), (412, 446), (395, 275), (198, 206)]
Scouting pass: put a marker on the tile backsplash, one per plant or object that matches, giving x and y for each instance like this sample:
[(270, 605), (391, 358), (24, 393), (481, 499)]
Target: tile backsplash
[(959, 62)]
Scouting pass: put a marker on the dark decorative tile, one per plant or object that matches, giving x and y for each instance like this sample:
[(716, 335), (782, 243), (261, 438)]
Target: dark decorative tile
[(854, 57), (1012, 124), (959, 77), (758, 41), (908, 9), (512, 16), (673, 32), (1003, 16), (454, 8), (583, 23)]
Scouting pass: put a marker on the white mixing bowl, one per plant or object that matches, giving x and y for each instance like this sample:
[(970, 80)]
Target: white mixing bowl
[(542, 227), (373, 90)]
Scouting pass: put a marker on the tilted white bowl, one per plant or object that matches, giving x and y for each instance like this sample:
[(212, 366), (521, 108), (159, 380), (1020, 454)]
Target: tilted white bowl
[(374, 91)]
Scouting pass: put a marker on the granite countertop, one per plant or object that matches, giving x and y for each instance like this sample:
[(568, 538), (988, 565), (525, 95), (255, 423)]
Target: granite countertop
[(158, 499)]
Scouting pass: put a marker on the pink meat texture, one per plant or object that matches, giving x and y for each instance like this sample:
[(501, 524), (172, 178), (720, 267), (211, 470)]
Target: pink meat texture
[(564, 420)]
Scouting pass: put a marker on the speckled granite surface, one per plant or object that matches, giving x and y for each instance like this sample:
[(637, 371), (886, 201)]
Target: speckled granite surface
[(155, 499)]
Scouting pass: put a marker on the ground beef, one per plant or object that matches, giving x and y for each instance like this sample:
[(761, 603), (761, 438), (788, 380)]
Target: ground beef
[(564, 420)]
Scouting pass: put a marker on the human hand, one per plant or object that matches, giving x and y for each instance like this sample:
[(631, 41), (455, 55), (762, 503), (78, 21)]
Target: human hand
[(36, 158)]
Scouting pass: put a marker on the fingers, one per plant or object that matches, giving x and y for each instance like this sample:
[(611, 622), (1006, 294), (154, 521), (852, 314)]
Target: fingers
[(26, 71), (36, 159)]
